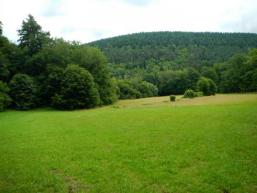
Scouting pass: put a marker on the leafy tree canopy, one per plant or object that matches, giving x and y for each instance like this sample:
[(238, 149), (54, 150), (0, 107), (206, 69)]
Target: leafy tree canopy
[(23, 91)]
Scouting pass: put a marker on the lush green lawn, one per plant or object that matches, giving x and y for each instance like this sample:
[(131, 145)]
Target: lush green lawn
[(133, 146)]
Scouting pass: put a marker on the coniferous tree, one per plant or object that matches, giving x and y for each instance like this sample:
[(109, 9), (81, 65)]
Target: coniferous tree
[(31, 36)]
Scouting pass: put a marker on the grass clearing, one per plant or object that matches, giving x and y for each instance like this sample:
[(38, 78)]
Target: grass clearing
[(206, 144), (219, 99)]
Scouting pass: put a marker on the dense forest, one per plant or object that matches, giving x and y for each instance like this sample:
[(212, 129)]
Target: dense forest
[(40, 70), (175, 61), (134, 54)]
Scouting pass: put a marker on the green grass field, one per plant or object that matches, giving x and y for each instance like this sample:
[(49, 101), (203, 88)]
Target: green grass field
[(207, 145)]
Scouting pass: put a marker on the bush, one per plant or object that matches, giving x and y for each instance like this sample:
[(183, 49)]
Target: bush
[(145, 88), (52, 84), (172, 98), (132, 89), (199, 94), (23, 91), (207, 86), (93, 60), (5, 100), (77, 90), (189, 94), (108, 91), (212, 87), (127, 91)]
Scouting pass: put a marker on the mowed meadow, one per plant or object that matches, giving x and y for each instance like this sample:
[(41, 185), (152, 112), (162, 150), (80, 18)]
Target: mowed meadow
[(206, 144)]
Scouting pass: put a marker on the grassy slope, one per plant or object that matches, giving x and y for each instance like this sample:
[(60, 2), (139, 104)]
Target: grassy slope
[(146, 145)]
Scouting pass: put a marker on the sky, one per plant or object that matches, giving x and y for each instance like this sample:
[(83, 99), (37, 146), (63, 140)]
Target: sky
[(89, 20)]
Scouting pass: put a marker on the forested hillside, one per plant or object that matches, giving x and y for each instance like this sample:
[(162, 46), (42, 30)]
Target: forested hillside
[(169, 50), (176, 61), (182, 48), (44, 71)]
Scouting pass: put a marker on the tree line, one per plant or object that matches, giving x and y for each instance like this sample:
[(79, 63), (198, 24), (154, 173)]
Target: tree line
[(43, 71), (237, 74), (174, 49), (176, 61)]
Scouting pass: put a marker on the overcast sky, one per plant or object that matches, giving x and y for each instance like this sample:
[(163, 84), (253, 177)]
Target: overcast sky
[(88, 20)]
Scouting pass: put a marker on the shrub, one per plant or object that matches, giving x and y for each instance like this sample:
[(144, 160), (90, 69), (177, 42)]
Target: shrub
[(5, 100), (23, 91), (203, 85), (131, 89), (189, 94), (145, 88), (77, 90), (199, 94), (108, 91), (207, 86), (212, 87), (93, 60), (52, 84), (127, 91), (172, 98)]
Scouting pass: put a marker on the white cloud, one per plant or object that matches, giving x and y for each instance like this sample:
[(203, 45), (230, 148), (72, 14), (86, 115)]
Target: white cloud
[(87, 20)]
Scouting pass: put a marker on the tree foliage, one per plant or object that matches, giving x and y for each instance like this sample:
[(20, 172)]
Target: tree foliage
[(23, 91), (4, 71), (132, 89), (5, 99), (177, 81), (189, 94), (174, 49), (207, 86), (77, 90), (127, 91), (32, 37), (209, 72), (95, 62), (238, 74), (35, 70), (1, 28)]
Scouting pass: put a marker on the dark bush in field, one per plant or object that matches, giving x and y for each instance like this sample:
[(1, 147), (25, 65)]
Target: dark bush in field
[(23, 91), (172, 98), (77, 90)]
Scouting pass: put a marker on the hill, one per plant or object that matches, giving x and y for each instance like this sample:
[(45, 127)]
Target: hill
[(174, 61), (179, 49)]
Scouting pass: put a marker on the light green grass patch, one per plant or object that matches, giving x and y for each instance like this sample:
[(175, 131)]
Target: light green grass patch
[(219, 99), (206, 144)]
